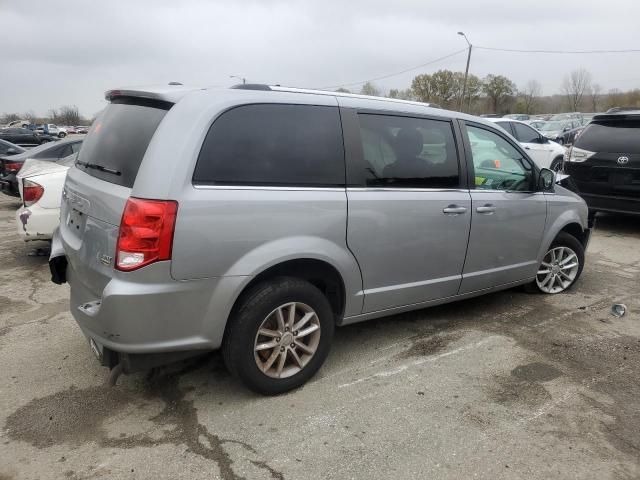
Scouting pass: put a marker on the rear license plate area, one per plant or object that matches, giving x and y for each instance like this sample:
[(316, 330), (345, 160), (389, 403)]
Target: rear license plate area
[(627, 181), (76, 220)]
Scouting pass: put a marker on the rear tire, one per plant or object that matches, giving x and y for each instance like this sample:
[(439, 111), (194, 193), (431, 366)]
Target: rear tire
[(561, 266), (267, 346)]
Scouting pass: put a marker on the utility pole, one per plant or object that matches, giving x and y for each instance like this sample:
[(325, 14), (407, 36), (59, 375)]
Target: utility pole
[(466, 74), (244, 80)]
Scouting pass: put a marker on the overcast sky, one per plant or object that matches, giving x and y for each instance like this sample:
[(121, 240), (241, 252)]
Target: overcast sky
[(69, 52)]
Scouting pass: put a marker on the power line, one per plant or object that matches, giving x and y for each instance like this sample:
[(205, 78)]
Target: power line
[(632, 50), (396, 73)]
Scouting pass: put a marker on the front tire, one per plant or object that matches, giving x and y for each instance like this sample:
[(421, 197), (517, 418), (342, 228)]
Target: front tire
[(279, 335), (556, 165), (62, 135), (561, 266)]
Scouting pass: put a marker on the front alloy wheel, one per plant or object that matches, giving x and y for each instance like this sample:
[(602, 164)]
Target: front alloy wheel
[(559, 269)]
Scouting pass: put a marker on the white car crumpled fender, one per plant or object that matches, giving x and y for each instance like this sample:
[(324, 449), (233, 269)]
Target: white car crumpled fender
[(39, 216)]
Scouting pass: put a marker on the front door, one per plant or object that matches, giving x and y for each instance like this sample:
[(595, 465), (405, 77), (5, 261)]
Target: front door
[(409, 208), (508, 214)]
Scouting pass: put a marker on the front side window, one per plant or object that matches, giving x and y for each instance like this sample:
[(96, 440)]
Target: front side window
[(498, 165), (273, 144), (408, 152), (526, 134)]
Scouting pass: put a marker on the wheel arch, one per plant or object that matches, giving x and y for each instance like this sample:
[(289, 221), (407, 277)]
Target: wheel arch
[(569, 222), (319, 273)]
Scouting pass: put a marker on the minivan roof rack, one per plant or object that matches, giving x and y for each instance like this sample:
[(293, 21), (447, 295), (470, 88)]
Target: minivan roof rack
[(251, 86)]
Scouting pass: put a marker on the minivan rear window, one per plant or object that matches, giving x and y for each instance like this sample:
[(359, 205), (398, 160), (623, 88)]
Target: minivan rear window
[(611, 137), (118, 139), (273, 145)]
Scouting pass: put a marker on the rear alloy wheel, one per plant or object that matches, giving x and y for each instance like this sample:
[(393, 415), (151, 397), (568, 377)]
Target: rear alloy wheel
[(561, 265), (287, 340), (279, 335)]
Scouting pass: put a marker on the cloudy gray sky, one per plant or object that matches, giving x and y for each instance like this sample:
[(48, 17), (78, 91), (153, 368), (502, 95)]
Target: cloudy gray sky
[(69, 52)]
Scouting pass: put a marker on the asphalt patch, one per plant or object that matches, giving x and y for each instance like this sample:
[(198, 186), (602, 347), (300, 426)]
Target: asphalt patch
[(75, 416), (430, 345)]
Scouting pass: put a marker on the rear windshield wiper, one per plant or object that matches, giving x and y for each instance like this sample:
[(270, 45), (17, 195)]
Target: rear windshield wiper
[(98, 167)]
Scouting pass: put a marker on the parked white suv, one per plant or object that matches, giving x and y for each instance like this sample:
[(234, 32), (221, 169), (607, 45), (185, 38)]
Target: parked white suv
[(546, 153)]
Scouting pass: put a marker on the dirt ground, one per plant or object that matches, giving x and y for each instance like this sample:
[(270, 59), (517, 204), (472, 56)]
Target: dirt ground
[(508, 385)]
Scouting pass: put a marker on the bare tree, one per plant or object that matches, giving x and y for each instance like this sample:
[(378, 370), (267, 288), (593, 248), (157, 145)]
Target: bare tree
[(31, 116), (574, 87), (594, 92), (69, 115), (530, 93), (9, 117)]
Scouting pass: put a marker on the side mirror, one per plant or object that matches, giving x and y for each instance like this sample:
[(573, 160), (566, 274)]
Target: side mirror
[(547, 180), (543, 139)]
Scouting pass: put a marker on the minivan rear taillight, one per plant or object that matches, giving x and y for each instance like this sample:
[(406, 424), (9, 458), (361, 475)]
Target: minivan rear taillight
[(146, 233), (31, 192)]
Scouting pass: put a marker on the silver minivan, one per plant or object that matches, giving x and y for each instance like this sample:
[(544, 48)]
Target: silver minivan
[(255, 219)]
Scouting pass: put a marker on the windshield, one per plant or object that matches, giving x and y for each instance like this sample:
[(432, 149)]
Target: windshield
[(618, 137), (551, 126), (117, 141)]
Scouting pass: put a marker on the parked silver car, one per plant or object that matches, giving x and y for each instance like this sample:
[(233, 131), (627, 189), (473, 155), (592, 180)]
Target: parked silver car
[(255, 219)]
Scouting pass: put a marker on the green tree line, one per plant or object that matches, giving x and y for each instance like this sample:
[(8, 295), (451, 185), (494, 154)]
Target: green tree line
[(499, 94)]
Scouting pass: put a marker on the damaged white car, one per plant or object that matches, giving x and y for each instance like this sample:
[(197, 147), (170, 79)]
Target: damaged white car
[(40, 185)]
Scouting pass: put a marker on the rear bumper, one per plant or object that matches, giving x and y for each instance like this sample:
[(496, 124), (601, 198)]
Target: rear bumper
[(612, 204), (37, 223), (154, 316)]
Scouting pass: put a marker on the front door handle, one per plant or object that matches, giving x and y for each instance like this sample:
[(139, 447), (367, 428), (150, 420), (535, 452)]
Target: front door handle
[(527, 148), (487, 209), (454, 210)]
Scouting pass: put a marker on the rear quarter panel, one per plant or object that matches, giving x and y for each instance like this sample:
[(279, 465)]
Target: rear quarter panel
[(240, 232)]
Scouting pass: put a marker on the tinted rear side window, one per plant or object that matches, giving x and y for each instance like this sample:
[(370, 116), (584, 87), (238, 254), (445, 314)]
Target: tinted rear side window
[(118, 140), (404, 152), (271, 144), (618, 137)]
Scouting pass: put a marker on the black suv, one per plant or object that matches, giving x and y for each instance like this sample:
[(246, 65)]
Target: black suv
[(604, 163)]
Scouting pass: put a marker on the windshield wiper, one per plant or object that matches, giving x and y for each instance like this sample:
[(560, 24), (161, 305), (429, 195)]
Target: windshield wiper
[(100, 168)]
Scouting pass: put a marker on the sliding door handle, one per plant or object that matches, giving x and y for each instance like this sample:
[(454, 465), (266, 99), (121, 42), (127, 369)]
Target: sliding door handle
[(454, 210)]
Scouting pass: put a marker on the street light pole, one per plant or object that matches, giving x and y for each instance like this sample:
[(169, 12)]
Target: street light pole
[(466, 72), (244, 80)]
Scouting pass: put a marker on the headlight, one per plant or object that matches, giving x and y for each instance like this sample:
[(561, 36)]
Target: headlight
[(578, 155)]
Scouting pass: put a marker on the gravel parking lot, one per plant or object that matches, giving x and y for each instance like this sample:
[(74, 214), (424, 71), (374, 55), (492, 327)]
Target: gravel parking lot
[(504, 386)]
